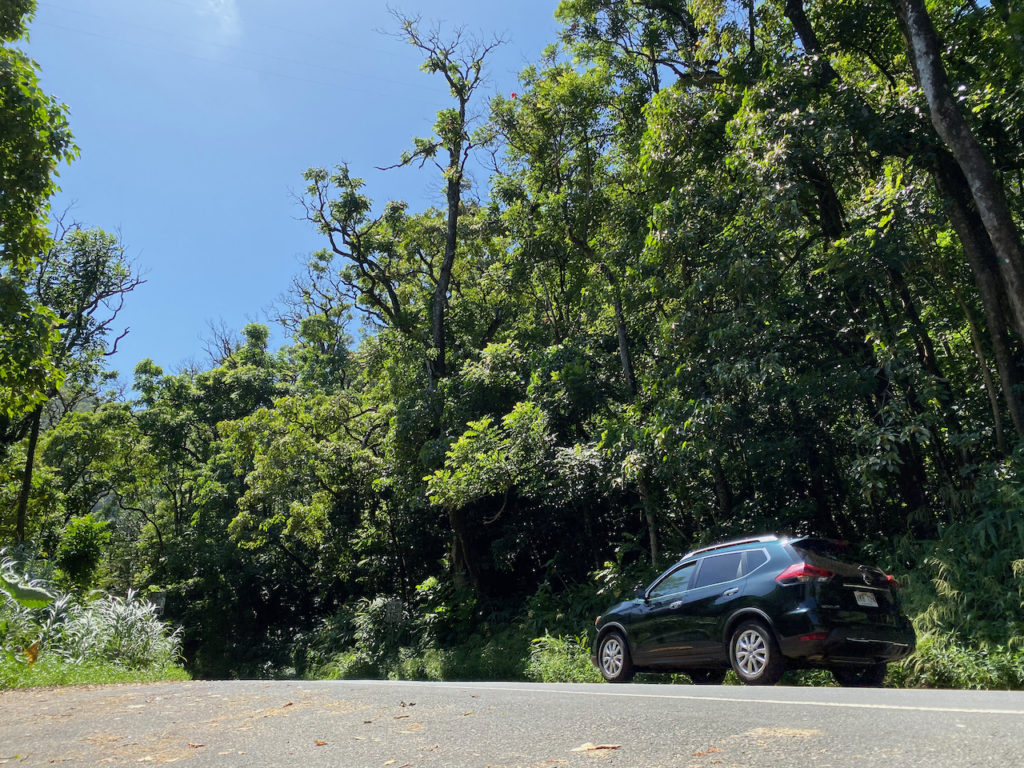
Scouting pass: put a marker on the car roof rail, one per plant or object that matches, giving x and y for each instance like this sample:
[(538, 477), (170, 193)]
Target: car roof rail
[(735, 543)]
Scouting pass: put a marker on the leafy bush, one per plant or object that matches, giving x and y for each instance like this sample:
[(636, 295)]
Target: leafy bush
[(940, 662), (125, 631), (561, 660), (350, 665), (81, 549), (64, 629)]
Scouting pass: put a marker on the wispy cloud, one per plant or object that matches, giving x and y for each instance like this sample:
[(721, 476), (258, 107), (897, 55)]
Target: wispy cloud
[(224, 17)]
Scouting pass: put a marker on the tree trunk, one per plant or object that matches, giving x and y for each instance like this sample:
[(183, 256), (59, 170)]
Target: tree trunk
[(652, 521), (986, 375), (463, 556), (978, 249), (444, 278), (26, 477), (723, 491), (988, 193), (794, 11), (957, 200), (620, 329)]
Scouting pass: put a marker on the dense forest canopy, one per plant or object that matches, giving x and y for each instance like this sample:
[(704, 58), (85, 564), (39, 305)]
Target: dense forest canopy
[(741, 266)]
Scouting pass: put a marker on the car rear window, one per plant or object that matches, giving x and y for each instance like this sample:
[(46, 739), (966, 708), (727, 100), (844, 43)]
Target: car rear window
[(831, 555), (718, 568), (755, 559), (834, 550)]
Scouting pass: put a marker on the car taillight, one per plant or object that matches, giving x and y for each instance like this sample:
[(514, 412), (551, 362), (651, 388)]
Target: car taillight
[(814, 637), (802, 573), (893, 583)]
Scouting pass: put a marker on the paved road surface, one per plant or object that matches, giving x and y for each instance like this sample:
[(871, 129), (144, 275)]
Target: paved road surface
[(475, 725)]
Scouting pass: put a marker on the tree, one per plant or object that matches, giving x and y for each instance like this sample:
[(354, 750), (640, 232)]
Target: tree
[(987, 191), (82, 281), (34, 140), (460, 63)]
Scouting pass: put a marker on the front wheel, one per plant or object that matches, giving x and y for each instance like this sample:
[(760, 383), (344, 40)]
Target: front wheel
[(871, 676), (755, 655), (613, 659)]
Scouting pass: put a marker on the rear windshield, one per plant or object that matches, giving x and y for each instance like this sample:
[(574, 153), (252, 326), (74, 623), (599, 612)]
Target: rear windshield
[(834, 550)]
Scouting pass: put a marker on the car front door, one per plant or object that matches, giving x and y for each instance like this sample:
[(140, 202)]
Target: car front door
[(654, 616), (693, 630)]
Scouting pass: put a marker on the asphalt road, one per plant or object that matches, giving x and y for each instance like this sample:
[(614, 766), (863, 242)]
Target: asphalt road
[(473, 725)]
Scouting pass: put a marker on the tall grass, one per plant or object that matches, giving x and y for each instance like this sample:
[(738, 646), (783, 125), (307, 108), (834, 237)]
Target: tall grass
[(77, 639)]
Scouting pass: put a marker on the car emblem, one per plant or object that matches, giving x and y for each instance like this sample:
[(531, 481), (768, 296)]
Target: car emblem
[(872, 576)]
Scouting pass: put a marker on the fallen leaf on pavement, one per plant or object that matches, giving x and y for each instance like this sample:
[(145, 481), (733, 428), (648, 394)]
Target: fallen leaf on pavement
[(400, 717), (710, 751), (588, 747), (196, 746), (320, 743)]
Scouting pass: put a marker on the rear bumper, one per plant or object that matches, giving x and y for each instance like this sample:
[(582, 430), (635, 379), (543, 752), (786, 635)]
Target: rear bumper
[(863, 644)]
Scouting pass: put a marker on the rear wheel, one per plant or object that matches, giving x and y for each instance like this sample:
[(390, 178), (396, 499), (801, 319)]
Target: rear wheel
[(871, 676), (613, 659), (707, 676), (754, 654)]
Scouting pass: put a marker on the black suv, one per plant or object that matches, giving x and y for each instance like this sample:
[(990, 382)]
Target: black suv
[(759, 605)]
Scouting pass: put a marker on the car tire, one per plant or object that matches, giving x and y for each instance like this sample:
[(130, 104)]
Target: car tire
[(754, 654), (613, 658), (707, 676), (870, 676)]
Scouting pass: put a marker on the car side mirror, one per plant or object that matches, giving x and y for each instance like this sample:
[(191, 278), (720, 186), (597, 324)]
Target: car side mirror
[(641, 593)]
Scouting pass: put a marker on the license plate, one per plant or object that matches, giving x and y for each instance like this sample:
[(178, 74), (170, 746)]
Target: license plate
[(866, 599)]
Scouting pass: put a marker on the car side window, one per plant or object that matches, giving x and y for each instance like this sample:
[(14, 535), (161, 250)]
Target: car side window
[(716, 569), (755, 558), (675, 582)]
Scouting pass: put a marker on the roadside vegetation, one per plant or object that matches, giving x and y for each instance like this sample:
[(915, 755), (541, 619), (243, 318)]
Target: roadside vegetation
[(743, 266), (54, 637)]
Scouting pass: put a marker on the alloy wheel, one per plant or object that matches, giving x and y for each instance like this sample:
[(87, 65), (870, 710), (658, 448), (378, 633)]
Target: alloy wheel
[(751, 652), (611, 657)]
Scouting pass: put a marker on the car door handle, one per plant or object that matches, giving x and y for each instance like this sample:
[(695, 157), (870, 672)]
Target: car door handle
[(729, 592), (676, 604)]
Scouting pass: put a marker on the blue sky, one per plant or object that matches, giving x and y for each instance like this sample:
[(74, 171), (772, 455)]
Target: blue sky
[(196, 119)]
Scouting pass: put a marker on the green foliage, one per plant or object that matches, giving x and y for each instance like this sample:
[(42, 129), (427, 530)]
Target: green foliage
[(940, 662), (379, 639), (81, 549), (488, 460), (966, 588), (720, 286), (52, 671), (34, 139), (15, 587), (95, 632), (124, 631), (561, 660)]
